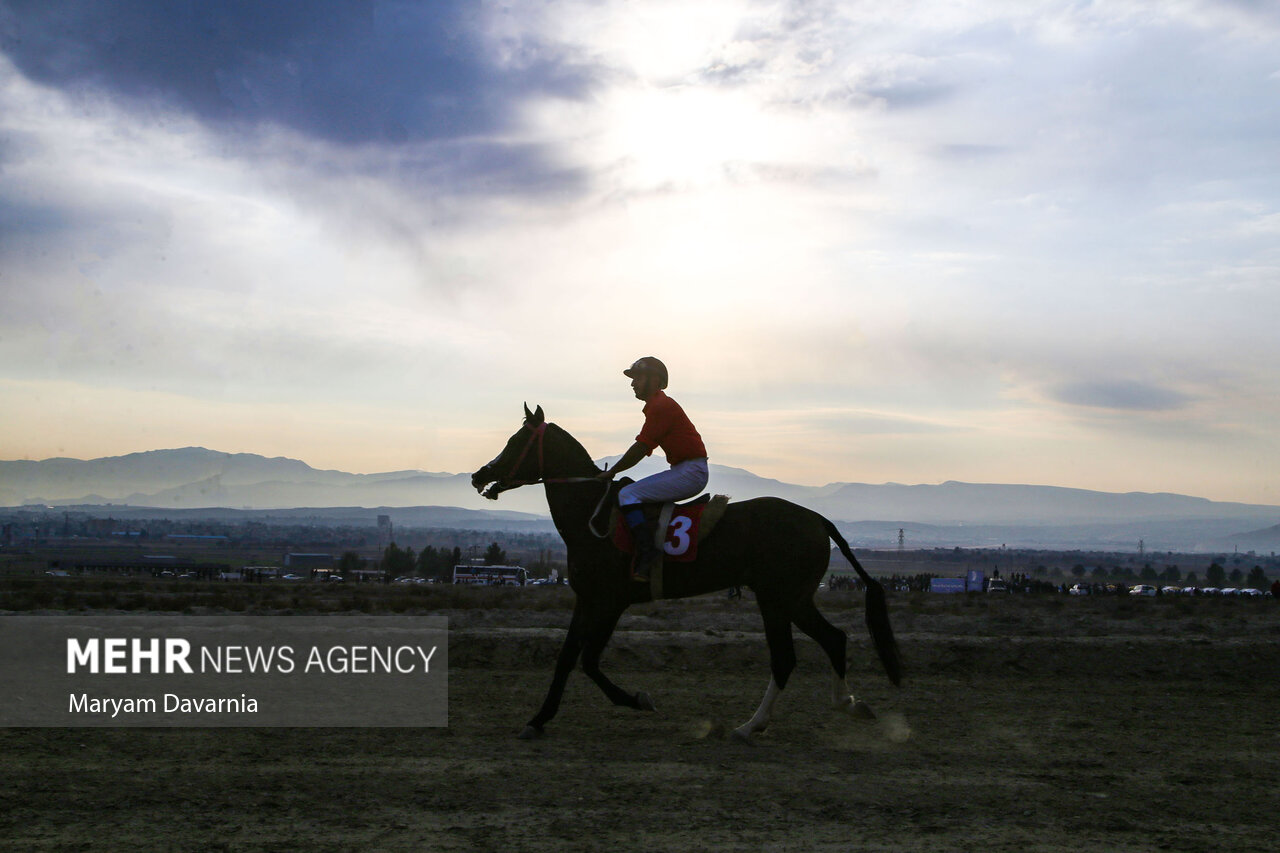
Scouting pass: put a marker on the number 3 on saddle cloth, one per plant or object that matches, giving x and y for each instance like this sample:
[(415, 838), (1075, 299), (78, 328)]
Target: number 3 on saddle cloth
[(690, 523)]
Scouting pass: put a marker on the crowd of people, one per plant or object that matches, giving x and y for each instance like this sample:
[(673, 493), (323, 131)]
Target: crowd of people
[(1016, 582)]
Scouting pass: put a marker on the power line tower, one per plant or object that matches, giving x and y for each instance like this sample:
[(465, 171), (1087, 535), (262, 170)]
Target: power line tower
[(902, 543)]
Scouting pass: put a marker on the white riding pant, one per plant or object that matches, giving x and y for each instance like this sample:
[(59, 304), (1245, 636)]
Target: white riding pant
[(682, 480)]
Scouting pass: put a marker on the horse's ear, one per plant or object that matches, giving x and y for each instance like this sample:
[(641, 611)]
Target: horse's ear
[(528, 415), (538, 416)]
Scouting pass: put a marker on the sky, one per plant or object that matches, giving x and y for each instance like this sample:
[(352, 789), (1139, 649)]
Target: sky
[(1001, 242)]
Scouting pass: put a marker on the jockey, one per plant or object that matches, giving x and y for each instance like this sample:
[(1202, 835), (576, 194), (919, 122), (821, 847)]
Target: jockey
[(666, 426)]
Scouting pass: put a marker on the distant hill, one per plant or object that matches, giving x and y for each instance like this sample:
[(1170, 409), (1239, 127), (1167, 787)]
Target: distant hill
[(336, 516), (197, 477), (1265, 540), (964, 514)]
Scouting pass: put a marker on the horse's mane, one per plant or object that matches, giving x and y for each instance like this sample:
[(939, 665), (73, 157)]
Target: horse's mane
[(577, 454)]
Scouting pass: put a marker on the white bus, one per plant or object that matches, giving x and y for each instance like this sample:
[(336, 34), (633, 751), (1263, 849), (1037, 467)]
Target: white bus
[(491, 575)]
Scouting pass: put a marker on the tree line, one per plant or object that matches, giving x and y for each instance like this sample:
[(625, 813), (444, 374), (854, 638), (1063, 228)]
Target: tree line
[(430, 562)]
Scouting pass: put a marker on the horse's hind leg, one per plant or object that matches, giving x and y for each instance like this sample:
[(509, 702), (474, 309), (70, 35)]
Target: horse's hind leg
[(782, 661), (833, 642)]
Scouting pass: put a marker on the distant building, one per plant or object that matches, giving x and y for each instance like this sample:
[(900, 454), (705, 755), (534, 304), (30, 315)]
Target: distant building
[(309, 561), (261, 571), (490, 575)]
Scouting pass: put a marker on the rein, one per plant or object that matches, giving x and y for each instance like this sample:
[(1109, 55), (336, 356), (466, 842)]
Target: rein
[(538, 433)]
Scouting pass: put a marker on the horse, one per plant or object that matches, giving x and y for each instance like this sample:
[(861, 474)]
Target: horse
[(777, 548)]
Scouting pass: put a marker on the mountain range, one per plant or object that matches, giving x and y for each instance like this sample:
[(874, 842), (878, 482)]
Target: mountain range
[(950, 513)]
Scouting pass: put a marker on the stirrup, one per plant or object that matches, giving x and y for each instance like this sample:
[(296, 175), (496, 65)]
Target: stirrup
[(642, 566)]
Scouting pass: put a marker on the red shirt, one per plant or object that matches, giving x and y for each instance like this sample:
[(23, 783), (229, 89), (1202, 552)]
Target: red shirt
[(667, 426)]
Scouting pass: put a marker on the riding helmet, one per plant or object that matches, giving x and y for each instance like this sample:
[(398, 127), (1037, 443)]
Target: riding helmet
[(649, 365)]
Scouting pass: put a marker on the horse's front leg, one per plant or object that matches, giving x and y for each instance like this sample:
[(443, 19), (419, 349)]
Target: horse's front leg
[(596, 636), (782, 662), (564, 665)]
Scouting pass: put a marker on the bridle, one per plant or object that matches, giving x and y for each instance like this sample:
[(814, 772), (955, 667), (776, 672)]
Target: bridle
[(536, 436)]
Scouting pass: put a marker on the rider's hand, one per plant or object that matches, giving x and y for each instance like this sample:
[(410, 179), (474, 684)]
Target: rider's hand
[(606, 474)]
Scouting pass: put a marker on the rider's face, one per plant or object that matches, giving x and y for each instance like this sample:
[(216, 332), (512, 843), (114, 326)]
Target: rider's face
[(643, 384)]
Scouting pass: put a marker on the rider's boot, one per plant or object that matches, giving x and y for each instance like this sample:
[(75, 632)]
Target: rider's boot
[(643, 530)]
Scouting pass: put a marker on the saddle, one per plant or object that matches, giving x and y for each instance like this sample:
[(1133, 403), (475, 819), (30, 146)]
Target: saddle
[(679, 529)]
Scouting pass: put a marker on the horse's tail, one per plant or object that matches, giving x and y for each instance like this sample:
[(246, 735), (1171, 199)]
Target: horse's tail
[(877, 610)]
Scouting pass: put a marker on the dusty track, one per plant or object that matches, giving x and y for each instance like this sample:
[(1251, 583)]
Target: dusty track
[(1024, 725)]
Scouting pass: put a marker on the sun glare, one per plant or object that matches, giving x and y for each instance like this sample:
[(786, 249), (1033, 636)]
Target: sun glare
[(683, 137)]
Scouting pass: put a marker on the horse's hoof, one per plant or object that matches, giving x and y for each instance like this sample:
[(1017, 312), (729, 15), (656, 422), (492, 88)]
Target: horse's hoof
[(644, 703), (743, 737), (530, 733), (860, 710)]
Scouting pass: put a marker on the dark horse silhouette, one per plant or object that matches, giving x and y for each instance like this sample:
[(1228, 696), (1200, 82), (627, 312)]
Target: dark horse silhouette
[(777, 548)]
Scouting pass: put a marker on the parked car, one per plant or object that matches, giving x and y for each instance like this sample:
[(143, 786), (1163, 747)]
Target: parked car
[(1079, 589), (1251, 592), (1209, 590), (1170, 590), (1229, 590), (1142, 589), (1190, 590), (997, 585), (290, 577)]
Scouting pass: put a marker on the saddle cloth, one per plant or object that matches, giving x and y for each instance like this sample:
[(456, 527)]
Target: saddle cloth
[(689, 524)]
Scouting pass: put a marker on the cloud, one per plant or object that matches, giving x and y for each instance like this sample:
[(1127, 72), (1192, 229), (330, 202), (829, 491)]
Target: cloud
[(965, 152), (379, 71), (876, 423), (24, 219), (1121, 394), (418, 94)]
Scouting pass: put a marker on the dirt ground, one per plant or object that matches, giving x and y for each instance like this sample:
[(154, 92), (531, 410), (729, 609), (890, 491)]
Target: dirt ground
[(1024, 724)]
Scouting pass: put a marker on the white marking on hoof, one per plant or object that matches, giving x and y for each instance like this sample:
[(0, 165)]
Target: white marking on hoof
[(855, 708), (842, 700), (760, 720), (860, 710)]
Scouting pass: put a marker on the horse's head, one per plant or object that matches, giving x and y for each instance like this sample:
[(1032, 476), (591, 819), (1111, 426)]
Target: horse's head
[(538, 452), (518, 463)]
